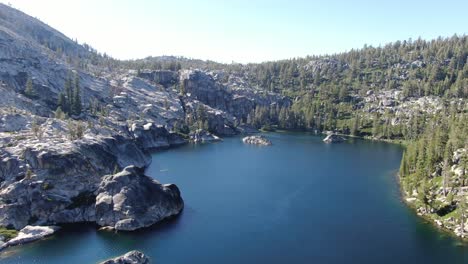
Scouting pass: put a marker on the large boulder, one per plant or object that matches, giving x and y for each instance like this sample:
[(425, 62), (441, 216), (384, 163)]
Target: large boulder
[(130, 200), (333, 138), (132, 257)]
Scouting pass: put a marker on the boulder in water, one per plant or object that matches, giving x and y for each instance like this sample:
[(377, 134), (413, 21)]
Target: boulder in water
[(132, 257), (257, 140)]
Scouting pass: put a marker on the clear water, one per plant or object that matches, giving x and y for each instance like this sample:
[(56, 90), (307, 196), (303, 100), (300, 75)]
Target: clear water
[(298, 201)]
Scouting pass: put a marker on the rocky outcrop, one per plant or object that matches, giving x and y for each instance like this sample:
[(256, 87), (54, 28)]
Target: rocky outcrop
[(200, 135), (257, 140), (130, 200), (333, 138), (165, 78), (55, 181), (132, 257), (151, 137), (219, 122), (31, 233)]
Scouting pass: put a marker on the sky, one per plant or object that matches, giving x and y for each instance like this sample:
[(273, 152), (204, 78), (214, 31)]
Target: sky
[(245, 30)]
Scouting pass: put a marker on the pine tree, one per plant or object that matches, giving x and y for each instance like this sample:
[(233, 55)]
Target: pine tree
[(462, 206), (404, 170), (376, 126), (68, 95), (29, 90), (355, 127), (446, 169), (76, 98), (62, 103)]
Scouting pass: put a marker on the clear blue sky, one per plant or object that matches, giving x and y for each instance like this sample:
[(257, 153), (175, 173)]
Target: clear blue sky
[(245, 30)]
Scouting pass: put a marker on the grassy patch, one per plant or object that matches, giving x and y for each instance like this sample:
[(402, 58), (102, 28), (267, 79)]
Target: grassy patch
[(8, 233)]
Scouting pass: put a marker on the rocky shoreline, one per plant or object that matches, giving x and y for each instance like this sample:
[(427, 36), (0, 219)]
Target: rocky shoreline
[(443, 214)]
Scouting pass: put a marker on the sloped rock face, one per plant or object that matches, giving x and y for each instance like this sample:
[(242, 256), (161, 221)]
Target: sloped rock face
[(132, 257), (238, 101), (130, 200)]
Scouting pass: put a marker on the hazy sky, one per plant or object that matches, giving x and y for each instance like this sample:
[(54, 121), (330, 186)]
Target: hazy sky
[(245, 30)]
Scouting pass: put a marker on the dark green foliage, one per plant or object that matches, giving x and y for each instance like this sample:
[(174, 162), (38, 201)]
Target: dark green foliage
[(75, 101), (8, 233), (69, 101), (29, 90)]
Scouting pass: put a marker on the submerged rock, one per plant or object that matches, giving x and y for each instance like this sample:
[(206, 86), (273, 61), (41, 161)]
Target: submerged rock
[(132, 257), (333, 138), (129, 200), (257, 140), (201, 135), (31, 233)]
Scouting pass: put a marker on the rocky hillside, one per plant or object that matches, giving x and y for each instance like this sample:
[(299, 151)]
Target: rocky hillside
[(67, 121)]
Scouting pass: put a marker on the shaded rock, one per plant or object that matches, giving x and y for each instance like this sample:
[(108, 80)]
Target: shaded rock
[(150, 136), (132, 257), (32, 233), (163, 77), (201, 135), (130, 200), (257, 140)]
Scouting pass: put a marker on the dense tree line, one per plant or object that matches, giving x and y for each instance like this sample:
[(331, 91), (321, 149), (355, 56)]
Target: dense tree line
[(428, 161)]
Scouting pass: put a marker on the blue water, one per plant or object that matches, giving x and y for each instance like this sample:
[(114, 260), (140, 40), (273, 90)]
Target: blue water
[(298, 201)]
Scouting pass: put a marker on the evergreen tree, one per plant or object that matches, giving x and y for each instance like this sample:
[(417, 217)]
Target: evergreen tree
[(68, 95), (29, 90), (63, 103), (355, 127), (76, 105)]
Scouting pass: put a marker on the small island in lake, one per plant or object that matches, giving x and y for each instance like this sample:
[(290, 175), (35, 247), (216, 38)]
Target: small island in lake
[(257, 140), (333, 138)]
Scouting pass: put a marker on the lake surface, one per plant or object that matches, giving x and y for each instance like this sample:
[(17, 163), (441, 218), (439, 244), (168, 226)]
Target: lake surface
[(298, 201)]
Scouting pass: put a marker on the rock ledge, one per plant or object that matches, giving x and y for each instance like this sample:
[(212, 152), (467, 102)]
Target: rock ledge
[(31, 233)]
